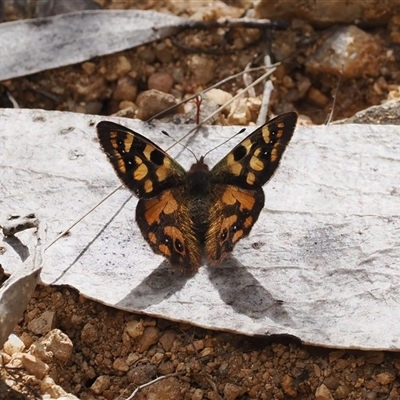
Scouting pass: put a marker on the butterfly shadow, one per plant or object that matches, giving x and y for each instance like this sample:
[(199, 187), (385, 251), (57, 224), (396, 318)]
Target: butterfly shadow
[(160, 285), (239, 289)]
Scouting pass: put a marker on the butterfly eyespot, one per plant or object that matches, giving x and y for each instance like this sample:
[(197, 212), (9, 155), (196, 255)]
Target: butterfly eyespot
[(224, 235), (178, 246)]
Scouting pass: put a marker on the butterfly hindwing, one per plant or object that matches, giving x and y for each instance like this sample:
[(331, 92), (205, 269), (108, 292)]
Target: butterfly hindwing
[(166, 224), (238, 178)]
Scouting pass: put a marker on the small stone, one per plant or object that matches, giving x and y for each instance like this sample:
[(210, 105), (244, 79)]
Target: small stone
[(89, 67), (55, 344), (132, 358), (287, 386), (34, 366), (13, 345), (163, 53), (166, 368), (141, 374), (385, 378), (240, 113), (150, 336), (232, 391), (120, 365), (202, 68), (208, 351), (167, 389), (89, 334), (323, 393), (151, 102), (48, 386), (218, 96), (198, 394), (135, 329), (43, 324), (101, 384), (167, 340), (342, 392), (126, 89), (349, 51), (331, 382), (123, 66), (317, 98), (162, 81)]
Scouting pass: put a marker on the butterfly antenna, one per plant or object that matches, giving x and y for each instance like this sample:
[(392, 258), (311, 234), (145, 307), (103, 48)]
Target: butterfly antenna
[(225, 141), (178, 142)]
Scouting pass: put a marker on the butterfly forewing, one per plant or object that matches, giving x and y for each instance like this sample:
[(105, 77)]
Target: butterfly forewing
[(142, 166), (254, 160)]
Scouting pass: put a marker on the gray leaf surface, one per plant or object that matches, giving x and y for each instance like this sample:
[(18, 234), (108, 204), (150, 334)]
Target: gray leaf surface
[(322, 262)]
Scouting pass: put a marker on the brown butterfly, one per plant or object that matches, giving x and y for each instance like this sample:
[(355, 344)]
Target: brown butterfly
[(187, 214)]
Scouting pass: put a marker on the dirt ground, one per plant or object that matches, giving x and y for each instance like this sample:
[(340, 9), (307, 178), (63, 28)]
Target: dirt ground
[(107, 353)]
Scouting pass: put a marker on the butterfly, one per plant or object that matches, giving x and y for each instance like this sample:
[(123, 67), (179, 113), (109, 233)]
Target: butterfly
[(187, 216)]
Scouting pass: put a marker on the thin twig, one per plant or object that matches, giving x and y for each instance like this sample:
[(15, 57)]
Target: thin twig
[(160, 378), (268, 88), (256, 82), (220, 83), (84, 216)]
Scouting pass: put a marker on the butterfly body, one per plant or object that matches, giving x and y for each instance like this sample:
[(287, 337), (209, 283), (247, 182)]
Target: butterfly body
[(201, 213)]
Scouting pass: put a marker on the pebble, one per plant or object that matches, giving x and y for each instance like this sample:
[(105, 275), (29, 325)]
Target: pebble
[(100, 384), (141, 374), (232, 391), (167, 340), (240, 113), (287, 386), (162, 81), (120, 364), (202, 68), (350, 51), (342, 392), (198, 394), (323, 393), (385, 378), (375, 357), (126, 89), (218, 96), (43, 324), (135, 329), (13, 345), (89, 334), (150, 336), (55, 344), (34, 366), (153, 101)]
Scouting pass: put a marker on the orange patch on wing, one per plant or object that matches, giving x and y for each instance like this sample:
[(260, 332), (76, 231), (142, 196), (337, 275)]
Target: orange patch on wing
[(121, 165), (251, 178), (163, 171), (155, 207), (148, 150), (232, 195), (228, 222), (164, 249), (248, 222), (152, 237), (148, 186), (237, 236), (140, 172), (256, 164)]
